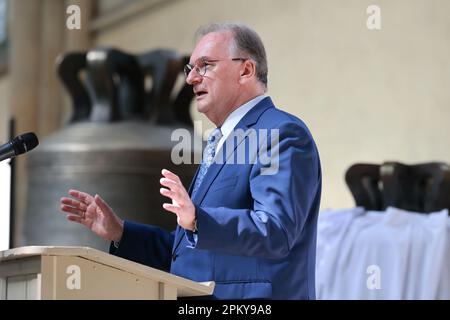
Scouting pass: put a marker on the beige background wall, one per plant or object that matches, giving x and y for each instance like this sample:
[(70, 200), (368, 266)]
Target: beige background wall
[(366, 95)]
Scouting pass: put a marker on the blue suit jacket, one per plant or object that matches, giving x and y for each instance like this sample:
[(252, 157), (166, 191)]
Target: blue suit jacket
[(256, 232)]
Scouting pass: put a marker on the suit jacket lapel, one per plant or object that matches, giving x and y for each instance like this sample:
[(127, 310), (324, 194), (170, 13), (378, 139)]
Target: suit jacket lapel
[(246, 122)]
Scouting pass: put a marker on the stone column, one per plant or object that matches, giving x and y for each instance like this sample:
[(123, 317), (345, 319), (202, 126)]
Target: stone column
[(24, 61), (52, 44)]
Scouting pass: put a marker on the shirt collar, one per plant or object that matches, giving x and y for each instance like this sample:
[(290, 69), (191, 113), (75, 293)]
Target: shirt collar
[(232, 120)]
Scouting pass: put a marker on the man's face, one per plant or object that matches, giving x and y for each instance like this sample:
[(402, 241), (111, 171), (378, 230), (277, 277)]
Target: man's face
[(217, 91)]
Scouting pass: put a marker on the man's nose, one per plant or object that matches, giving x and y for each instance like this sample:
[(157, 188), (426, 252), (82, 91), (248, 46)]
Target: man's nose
[(193, 78)]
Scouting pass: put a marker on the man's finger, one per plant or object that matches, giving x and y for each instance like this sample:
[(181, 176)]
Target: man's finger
[(167, 174), (177, 186), (103, 205), (176, 197), (73, 203), (167, 193), (171, 184), (172, 208), (75, 218), (73, 210), (84, 197)]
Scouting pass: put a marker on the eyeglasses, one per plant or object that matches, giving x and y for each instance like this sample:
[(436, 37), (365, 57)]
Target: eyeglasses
[(201, 66)]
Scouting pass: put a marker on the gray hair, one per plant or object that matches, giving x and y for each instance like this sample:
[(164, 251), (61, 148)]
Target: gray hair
[(246, 40)]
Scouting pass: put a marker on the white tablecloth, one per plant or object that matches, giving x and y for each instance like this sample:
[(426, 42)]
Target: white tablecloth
[(393, 254)]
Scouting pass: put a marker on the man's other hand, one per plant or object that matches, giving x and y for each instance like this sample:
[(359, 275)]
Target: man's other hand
[(94, 213), (181, 204)]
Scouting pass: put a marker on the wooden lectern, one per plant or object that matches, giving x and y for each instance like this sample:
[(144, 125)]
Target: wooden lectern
[(57, 273)]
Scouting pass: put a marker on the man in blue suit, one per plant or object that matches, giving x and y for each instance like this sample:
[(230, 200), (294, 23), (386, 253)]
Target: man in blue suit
[(249, 219)]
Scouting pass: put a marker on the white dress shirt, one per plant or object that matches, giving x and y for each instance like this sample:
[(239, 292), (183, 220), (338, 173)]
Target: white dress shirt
[(233, 119)]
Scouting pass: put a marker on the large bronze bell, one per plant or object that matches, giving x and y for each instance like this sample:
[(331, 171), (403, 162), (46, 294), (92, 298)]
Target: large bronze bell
[(117, 142)]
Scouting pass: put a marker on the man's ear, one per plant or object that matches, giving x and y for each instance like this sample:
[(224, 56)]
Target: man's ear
[(248, 69)]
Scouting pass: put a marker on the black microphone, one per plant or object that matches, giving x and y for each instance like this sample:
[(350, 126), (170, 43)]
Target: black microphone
[(20, 144)]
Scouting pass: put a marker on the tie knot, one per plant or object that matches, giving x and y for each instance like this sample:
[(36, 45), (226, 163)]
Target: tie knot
[(215, 135)]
